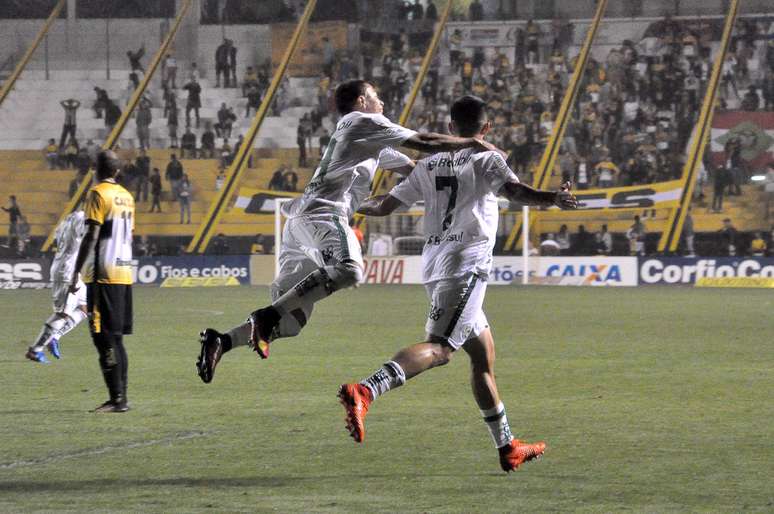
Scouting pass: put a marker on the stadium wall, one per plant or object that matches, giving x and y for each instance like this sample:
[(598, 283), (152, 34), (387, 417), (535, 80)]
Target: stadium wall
[(243, 270)]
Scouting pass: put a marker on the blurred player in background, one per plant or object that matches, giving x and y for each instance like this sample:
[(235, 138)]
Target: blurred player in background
[(105, 257), (69, 308), (460, 223), (320, 254)]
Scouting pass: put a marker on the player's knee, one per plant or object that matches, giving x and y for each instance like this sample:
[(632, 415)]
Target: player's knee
[(442, 352), (348, 274)]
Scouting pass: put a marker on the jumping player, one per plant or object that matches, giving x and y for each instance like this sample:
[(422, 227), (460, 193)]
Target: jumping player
[(460, 224), (320, 254), (105, 256), (69, 308)]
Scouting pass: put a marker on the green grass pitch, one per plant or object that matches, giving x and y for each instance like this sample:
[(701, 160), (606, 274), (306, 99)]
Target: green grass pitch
[(650, 400)]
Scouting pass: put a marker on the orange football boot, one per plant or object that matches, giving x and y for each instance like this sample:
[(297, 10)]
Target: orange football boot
[(517, 452), (355, 398)]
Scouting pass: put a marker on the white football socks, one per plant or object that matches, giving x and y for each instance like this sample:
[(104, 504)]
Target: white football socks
[(389, 376), (497, 422), (57, 326)]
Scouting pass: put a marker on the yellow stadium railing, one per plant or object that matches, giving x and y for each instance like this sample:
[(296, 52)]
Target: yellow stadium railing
[(218, 206), (406, 112), (670, 237), (127, 112), (31, 50), (548, 160)]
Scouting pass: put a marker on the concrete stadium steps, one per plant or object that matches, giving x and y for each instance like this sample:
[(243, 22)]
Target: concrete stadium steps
[(618, 220), (21, 130)]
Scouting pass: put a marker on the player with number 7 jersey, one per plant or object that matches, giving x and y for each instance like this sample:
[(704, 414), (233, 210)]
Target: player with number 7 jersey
[(320, 253)]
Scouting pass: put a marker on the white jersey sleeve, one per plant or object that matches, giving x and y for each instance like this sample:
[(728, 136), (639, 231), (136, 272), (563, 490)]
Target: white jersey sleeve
[(493, 169), (389, 159), (380, 132), (409, 191), (68, 237)]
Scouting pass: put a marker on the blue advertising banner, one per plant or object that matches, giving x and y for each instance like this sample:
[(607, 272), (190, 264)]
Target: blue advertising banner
[(193, 270), (684, 270)]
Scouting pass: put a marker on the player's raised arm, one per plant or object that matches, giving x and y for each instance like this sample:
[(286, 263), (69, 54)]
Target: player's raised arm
[(381, 205), (518, 192), (432, 142)]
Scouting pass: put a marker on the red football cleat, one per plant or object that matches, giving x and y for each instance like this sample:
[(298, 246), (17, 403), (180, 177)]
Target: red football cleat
[(518, 452), (355, 398), (261, 328)]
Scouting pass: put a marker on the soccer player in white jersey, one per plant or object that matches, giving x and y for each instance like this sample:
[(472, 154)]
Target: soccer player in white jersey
[(460, 224), (320, 254), (69, 308)]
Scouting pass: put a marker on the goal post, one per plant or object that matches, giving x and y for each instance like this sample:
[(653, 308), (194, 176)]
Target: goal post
[(278, 231)]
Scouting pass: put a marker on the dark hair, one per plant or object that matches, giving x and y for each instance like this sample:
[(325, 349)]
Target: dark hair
[(347, 94), (107, 164), (469, 115)]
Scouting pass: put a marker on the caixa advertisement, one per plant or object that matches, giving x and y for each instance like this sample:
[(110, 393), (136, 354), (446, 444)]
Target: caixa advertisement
[(24, 274)]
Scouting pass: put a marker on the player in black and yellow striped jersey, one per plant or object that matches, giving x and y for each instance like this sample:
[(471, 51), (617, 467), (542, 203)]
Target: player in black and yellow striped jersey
[(105, 256)]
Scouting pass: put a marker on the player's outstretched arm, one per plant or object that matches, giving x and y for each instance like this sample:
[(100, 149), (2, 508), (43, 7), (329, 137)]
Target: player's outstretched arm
[(88, 244), (431, 142), (381, 205), (518, 192)]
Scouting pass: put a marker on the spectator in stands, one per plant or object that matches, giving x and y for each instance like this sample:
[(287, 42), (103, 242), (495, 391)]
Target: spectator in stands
[(14, 213), (221, 63), (188, 143), (328, 57), (583, 243), (325, 139), (100, 103), (728, 236), (155, 181), (277, 181), (220, 244), (225, 154), (260, 245), (751, 100), (71, 153), (52, 154), (169, 71), (220, 179), (112, 115), (604, 241), (767, 89), (82, 161), (476, 11), (134, 59), (194, 101), (128, 175), (636, 236), (533, 42), (172, 116), (734, 165), (22, 237), (301, 142), (689, 234), (70, 107), (193, 73), (721, 180), (226, 119), (142, 164), (143, 120), (208, 142), (768, 188), (563, 239), (249, 80), (253, 100), (232, 56), (607, 173), (290, 179), (170, 98), (184, 198), (431, 13), (174, 175), (758, 246)]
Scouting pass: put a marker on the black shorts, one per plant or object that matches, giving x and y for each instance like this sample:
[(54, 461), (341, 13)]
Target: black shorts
[(110, 308)]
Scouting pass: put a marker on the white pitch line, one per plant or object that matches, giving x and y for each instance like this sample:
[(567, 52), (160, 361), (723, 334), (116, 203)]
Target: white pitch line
[(206, 311), (100, 450)]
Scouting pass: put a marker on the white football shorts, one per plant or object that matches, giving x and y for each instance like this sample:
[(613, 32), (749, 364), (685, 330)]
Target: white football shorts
[(64, 302), (456, 309), (311, 242)]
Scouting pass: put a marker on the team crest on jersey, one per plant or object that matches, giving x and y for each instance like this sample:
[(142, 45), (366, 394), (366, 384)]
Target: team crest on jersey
[(327, 254), (435, 313)]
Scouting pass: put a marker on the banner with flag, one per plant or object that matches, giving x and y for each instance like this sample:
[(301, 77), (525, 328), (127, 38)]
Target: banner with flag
[(755, 132), (259, 201)]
